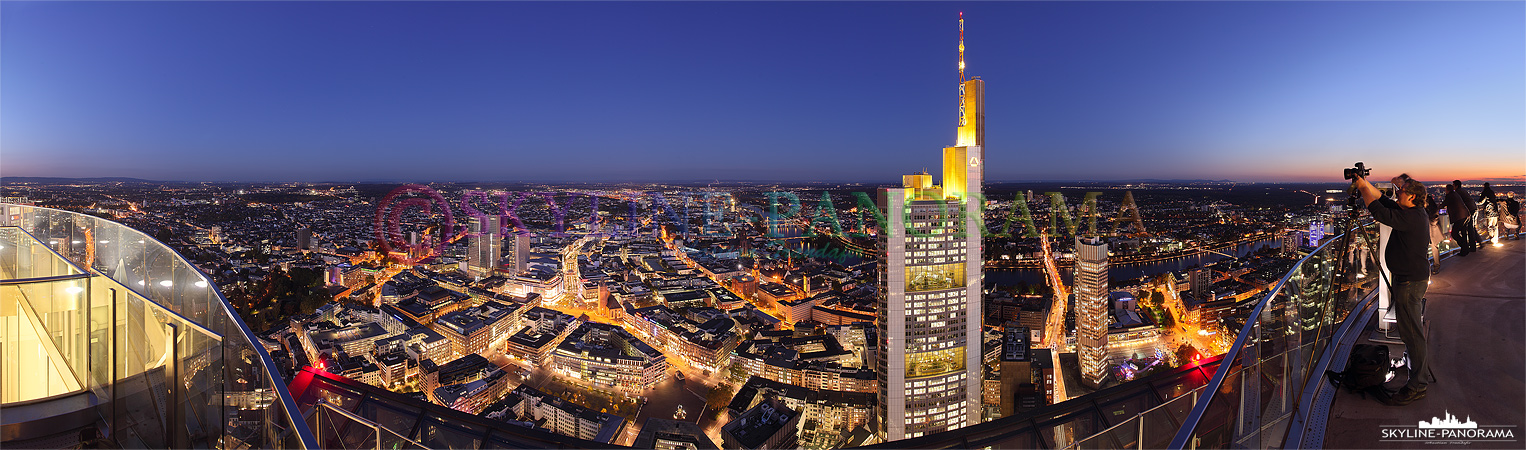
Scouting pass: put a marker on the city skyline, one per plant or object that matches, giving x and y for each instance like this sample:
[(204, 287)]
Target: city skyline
[(780, 92)]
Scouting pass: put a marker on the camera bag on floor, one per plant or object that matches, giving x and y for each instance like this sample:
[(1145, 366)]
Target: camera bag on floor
[(1366, 370)]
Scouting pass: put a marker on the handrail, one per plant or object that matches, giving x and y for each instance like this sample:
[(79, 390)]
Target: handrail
[(82, 272), (299, 427), (72, 276), (324, 404), (1189, 425)]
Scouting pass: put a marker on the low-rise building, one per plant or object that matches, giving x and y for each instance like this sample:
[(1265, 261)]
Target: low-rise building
[(605, 356), (769, 425), (812, 362), (472, 396), (566, 418), (466, 369), (827, 416), (665, 434), (775, 293), (424, 343), (356, 339), (474, 329), (706, 346), (394, 367), (543, 330), (799, 309), (725, 300)]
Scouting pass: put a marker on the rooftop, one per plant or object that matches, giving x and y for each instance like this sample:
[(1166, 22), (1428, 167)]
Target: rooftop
[(1474, 310), (470, 320), (757, 425)]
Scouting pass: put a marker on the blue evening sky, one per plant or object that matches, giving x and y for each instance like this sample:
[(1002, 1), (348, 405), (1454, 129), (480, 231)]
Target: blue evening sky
[(571, 91)]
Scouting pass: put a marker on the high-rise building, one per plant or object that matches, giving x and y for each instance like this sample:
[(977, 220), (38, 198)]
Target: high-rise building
[(521, 251), (1091, 308), (1199, 282), (929, 367), (304, 238), (1291, 240), (483, 246)]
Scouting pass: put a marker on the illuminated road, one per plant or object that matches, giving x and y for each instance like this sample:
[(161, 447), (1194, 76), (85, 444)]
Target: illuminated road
[(1054, 327)]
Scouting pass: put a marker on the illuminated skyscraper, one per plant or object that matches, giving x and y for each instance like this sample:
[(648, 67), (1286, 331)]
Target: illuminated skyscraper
[(929, 305), (483, 246), (1091, 308)]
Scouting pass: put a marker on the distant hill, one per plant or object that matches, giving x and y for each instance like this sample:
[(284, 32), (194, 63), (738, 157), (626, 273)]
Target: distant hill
[(61, 180)]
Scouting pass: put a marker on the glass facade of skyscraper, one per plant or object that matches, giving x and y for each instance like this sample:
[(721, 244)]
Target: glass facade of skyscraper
[(1091, 308), (923, 359)]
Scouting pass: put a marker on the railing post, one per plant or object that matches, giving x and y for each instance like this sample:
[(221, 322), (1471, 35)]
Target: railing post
[(173, 423), (1193, 443), (114, 427), (1139, 440)]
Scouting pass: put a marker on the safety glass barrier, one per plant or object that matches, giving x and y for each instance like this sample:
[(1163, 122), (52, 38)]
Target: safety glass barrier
[(1254, 394), (149, 334), (337, 428)]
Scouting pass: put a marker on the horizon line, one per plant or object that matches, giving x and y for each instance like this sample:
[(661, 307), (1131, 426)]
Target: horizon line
[(120, 179)]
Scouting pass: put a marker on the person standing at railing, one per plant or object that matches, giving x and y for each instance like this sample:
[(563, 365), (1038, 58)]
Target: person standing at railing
[(1460, 211), (1433, 211), (1405, 257), (1513, 218), (1489, 211)]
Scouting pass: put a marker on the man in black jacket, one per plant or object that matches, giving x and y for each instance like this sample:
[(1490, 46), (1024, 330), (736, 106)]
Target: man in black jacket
[(1460, 211), (1405, 255)]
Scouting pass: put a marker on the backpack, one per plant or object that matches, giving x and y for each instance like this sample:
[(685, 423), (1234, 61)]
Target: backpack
[(1366, 370)]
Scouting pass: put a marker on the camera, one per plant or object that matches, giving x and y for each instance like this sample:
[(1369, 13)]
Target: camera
[(1358, 171)]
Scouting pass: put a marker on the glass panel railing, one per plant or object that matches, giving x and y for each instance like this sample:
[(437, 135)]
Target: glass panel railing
[(1252, 398), (150, 333), (39, 350), (1147, 410)]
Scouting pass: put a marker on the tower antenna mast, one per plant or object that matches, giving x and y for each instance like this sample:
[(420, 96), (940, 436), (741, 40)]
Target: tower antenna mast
[(961, 46)]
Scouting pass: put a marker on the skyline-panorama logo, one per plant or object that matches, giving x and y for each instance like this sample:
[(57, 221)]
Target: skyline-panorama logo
[(1447, 429), (1449, 422)]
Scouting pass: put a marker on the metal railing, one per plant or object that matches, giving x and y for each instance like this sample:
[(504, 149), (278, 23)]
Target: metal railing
[(341, 429), (171, 360)]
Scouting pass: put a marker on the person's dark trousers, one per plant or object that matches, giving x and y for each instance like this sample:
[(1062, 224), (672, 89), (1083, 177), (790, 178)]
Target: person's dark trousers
[(1467, 237), (1462, 238), (1477, 241), (1408, 298)]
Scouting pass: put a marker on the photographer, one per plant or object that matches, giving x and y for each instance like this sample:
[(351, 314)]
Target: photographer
[(1406, 260)]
